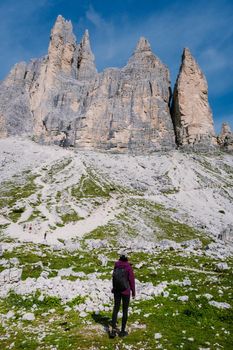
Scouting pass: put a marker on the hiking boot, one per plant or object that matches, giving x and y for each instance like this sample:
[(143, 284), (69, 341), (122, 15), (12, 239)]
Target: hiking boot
[(113, 333), (123, 334)]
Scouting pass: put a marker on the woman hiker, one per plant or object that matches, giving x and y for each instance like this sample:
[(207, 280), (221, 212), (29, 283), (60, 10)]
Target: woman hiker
[(123, 282)]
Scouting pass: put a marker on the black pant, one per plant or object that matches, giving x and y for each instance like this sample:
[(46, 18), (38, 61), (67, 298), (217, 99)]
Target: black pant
[(117, 303)]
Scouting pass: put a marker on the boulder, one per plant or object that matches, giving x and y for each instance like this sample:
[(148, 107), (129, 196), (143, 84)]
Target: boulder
[(29, 316)]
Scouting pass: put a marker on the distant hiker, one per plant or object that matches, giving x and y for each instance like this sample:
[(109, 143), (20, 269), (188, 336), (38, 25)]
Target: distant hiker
[(123, 282), (45, 236), (30, 228)]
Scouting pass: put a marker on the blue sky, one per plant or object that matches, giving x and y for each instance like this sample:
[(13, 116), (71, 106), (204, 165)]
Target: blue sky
[(115, 26)]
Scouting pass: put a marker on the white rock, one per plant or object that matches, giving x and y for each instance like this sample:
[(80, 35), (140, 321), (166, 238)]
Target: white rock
[(193, 243), (10, 276), (165, 294), (187, 282), (103, 259), (41, 297), (44, 274), (168, 244), (183, 298), (158, 336), (191, 339), (83, 314), (222, 266), (208, 296), (14, 261), (29, 316), (67, 309), (10, 314), (220, 305)]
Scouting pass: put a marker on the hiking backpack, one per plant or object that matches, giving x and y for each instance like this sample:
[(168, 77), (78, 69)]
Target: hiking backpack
[(120, 279)]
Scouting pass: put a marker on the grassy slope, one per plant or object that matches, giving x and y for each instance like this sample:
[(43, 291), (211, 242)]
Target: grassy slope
[(183, 325)]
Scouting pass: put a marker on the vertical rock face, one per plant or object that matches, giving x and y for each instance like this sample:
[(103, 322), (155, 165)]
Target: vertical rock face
[(62, 52), (225, 138), (128, 108), (85, 65), (191, 114), (61, 99), (15, 115)]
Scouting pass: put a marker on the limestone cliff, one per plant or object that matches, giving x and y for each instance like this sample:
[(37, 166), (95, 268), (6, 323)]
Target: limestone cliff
[(62, 99), (191, 113)]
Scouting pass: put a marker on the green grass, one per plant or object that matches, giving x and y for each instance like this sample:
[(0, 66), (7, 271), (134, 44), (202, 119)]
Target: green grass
[(91, 187), (175, 320), (70, 217), (108, 232), (157, 218), (95, 185), (177, 231), (16, 213), (26, 303), (167, 316), (11, 192), (34, 215)]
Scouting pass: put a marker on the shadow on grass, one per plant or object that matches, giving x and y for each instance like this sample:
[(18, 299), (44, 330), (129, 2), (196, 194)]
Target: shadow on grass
[(105, 321)]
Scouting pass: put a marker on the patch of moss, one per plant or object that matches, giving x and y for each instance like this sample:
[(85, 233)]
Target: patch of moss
[(34, 215), (103, 232), (70, 217), (90, 187), (32, 271), (16, 213), (11, 192), (175, 230)]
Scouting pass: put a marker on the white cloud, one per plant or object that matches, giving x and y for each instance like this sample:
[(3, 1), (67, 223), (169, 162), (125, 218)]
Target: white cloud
[(95, 18)]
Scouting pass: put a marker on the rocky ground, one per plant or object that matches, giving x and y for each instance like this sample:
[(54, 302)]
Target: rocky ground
[(66, 215)]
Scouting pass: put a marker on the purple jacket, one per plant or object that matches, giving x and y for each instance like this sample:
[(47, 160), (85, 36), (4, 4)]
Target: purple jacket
[(126, 265)]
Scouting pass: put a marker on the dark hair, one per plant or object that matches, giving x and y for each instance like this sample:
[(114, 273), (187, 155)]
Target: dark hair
[(123, 258)]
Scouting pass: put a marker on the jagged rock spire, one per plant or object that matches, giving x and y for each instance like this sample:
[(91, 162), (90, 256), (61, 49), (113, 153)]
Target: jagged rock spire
[(225, 130), (191, 113), (16, 75), (64, 29), (86, 59), (225, 138), (143, 56), (62, 53), (143, 45)]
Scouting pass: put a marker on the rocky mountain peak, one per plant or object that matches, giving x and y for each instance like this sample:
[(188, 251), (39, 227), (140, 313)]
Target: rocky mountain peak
[(62, 52), (190, 66), (191, 113), (143, 45), (63, 28), (16, 75), (186, 54), (225, 138), (143, 57), (62, 99), (226, 129), (86, 59)]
